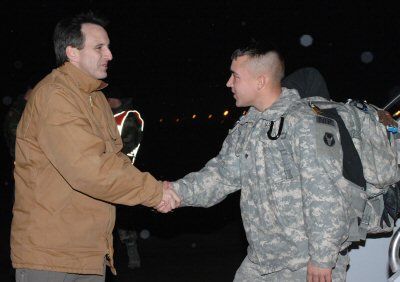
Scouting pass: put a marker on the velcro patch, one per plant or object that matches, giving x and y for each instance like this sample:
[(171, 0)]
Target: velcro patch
[(325, 120), (329, 139)]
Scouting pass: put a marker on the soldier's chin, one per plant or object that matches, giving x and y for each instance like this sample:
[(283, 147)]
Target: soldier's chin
[(242, 105), (238, 104)]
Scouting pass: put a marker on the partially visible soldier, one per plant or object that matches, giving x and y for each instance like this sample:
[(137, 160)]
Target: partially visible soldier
[(308, 81), (130, 126), (281, 156), (15, 112), (12, 118)]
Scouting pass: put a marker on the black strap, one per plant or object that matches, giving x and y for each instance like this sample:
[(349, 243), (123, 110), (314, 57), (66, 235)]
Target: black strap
[(352, 166)]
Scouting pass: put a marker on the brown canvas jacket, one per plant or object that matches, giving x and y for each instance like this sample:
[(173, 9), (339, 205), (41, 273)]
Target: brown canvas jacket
[(69, 172)]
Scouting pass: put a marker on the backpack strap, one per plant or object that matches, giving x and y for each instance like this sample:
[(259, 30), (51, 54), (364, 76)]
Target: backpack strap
[(277, 134), (352, 165), (285, 148), (352, 170), (287, 158), (356, 131)]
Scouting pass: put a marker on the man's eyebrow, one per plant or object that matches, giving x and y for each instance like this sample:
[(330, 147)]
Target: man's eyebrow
[(101, 45)]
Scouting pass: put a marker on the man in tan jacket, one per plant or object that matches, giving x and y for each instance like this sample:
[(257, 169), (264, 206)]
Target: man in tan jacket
[(69, 168)]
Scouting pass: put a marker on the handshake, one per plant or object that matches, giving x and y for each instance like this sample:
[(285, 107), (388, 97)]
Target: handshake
[(170, 200)]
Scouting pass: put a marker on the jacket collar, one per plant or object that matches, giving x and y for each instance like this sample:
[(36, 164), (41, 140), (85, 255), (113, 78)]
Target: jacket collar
[(277, 109), (81, 79)]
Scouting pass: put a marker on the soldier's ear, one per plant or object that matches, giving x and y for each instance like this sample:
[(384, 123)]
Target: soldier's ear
[(261, 81)]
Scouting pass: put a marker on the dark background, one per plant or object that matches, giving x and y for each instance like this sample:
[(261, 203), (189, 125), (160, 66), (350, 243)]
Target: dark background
[(173, 58)]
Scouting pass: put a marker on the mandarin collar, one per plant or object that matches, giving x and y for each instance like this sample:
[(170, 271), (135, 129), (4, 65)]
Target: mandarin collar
[(277, 109), (83, 81)]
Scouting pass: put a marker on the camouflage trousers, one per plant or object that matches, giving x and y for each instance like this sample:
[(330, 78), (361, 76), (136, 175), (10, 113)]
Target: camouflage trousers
[(250, 272), (129, 239)]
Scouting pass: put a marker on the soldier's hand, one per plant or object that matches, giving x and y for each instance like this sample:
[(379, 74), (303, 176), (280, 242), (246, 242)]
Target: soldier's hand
[(318, 274), (170, 200)]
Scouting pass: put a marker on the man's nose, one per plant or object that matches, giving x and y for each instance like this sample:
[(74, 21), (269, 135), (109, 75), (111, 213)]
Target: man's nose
[(108, 55), (229, 82)]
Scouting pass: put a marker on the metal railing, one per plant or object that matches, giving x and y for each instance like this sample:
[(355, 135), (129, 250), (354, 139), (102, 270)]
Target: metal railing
[(394, 258)]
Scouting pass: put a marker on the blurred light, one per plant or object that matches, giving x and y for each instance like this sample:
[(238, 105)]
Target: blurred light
[(367, 57), (161, 120), (194, 116), (396, 114), (210, 116), (226, 113), (177, 119), (144, 234), (306, 40)]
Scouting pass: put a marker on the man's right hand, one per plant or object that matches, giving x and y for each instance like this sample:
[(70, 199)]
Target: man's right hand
[(170, 200)]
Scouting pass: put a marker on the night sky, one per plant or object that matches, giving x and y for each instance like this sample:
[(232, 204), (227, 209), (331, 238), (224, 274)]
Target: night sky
[(173, 57), (173, 54)]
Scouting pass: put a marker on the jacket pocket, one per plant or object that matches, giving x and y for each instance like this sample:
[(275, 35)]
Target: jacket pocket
[(52, 192), (283, 186), (278, 160), (287, 203)]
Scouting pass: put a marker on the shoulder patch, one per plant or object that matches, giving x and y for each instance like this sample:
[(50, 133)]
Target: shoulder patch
[(325, 120), (329, 139)]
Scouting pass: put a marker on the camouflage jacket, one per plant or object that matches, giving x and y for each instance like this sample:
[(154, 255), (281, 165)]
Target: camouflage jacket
[(293, 207)]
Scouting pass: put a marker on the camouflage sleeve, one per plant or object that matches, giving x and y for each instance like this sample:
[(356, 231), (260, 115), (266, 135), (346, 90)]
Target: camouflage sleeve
[(325, 204), (210, 185)]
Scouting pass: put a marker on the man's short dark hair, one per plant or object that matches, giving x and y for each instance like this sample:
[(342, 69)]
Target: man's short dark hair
[(259, 49), (68, 33), (256, 49)]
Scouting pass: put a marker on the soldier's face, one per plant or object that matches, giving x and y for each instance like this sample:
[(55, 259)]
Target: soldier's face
[(243, 82)]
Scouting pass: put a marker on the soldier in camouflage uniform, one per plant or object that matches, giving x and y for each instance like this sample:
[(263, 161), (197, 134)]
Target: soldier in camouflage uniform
[(286, 161), (131, 134)]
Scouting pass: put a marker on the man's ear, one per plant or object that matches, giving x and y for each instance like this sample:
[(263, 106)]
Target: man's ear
[(261, 81), (72, 53)]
